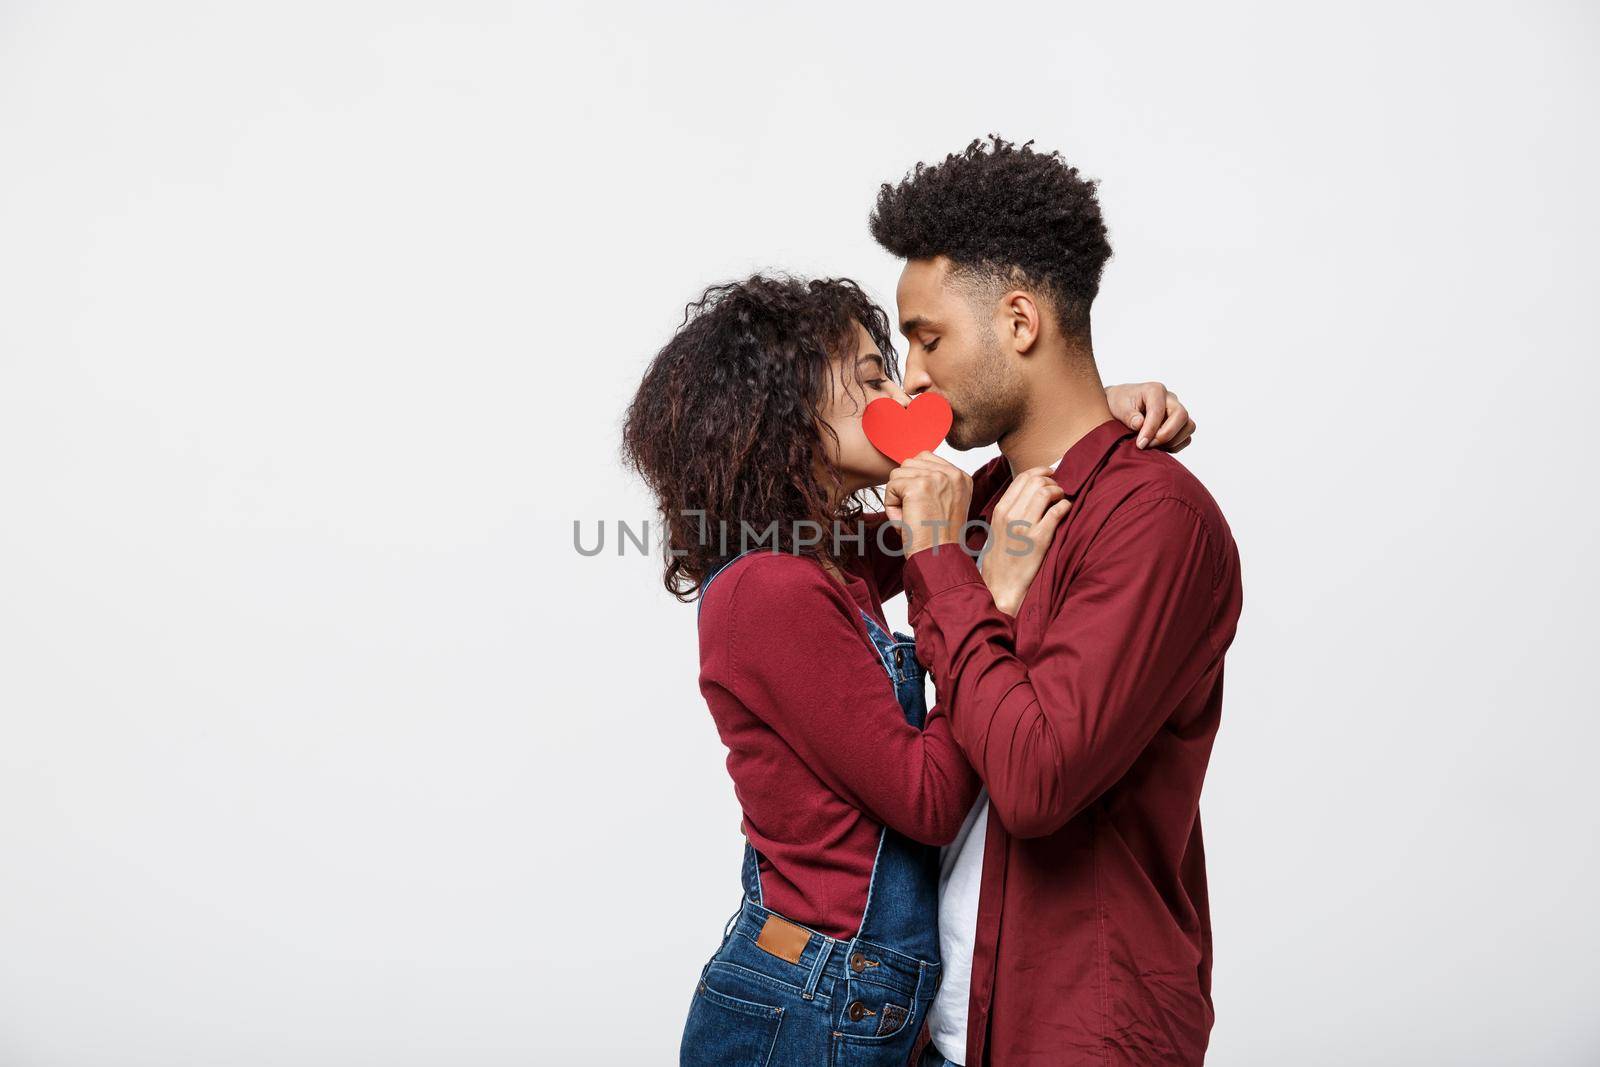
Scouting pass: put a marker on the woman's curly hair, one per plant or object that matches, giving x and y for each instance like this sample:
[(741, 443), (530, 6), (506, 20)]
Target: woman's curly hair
[(1006, 211), (727, 426)]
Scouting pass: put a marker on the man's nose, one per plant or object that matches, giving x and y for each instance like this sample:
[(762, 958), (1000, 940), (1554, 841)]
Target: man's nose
[(916, 379)]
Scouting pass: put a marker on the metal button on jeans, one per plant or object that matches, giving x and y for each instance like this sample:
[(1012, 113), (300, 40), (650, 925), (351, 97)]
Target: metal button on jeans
[(858, 962), (858, 1011), (900, 658)]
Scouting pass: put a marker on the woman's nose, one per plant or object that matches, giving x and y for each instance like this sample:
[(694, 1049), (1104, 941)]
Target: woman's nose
[(899, 394)]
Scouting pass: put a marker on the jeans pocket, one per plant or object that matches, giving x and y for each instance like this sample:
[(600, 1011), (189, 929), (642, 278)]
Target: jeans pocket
[(725, 1030), (876, 1026)]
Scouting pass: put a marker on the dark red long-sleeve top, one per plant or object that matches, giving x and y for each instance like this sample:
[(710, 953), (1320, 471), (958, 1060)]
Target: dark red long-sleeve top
[(819, 749), (1090, 717)]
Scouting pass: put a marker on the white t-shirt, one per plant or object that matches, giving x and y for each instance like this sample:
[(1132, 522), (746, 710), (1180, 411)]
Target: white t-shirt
[(960, 875)]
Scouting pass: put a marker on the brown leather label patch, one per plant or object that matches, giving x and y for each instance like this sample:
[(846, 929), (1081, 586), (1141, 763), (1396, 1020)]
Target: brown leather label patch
[(894, 1017), (783, 939)]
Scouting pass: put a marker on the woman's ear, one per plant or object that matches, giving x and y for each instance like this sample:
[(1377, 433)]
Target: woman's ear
[(1020, 320)]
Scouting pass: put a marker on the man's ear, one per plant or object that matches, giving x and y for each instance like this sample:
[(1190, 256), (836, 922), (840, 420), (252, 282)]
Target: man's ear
[(1019, 321)]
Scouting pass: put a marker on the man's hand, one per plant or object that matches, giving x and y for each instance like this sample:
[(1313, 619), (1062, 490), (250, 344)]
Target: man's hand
[(931, 496), (1153, 410), (1037, 504)]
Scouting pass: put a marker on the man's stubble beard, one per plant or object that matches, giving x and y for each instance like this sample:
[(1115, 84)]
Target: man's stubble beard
[(991, 401)]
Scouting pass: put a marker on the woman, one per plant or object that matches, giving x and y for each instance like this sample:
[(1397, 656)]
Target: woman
[(747, 428)]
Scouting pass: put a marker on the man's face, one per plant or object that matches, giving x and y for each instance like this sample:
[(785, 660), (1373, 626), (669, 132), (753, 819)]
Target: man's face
[(956, 351)]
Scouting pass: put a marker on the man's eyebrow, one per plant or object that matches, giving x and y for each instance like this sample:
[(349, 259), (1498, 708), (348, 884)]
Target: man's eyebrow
[(916, 322)]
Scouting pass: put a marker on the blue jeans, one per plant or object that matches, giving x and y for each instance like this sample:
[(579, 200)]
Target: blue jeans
[(841, 1003)]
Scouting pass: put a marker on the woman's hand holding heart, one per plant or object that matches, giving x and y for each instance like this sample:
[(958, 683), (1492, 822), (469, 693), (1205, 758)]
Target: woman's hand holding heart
[(931, 496)]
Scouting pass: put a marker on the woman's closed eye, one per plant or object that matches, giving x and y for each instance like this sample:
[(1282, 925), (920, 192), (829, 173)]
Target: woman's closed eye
[(871, 373)]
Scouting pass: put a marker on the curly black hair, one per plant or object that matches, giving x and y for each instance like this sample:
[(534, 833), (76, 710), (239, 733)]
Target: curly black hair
[(727, 426), (1007, 212)]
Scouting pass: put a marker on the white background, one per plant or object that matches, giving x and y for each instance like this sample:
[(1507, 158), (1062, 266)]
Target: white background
[(319, 743)]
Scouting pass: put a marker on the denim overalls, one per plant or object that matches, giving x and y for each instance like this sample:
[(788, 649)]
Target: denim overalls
[(809, 1000)]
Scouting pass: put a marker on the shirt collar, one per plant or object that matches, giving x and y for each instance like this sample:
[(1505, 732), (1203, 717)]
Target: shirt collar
[(1085, 457), (1074, 468)]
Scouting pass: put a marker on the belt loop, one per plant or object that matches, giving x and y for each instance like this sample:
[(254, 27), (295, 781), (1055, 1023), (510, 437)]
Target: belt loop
[(927, 976), (810, 991)]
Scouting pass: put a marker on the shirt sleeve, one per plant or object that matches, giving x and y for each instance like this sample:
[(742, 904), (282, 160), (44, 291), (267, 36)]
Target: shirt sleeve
[(1050, 736), (882, 555), (794, 653)]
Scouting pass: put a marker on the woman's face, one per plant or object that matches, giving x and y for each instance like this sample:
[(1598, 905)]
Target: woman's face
[(857, 381)]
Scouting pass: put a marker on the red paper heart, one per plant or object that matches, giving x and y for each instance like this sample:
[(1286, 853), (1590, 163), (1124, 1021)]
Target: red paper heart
[(901, 432)]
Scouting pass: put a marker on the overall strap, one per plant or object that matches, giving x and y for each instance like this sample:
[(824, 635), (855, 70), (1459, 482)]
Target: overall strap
[(902, 908), (705, 583)]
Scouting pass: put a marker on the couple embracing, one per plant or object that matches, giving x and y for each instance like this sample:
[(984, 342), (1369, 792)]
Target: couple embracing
[(1015, 875)]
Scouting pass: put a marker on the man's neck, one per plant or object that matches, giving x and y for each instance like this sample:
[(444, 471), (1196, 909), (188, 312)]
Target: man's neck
[(1061, 412)]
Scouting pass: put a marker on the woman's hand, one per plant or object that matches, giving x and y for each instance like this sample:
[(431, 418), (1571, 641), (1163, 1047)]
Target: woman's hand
[(1036, 504), (1153, 410), (931, 496)]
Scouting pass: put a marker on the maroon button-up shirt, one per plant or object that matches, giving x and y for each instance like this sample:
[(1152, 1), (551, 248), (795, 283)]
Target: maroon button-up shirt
[(1090, 717)]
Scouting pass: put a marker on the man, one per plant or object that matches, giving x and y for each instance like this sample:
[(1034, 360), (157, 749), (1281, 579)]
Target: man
[(1073, 911)]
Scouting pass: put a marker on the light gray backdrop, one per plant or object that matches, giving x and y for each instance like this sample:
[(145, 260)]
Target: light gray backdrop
[(319, 744)]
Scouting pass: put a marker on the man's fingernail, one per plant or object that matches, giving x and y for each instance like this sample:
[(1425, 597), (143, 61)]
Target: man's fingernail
[(1137, 420), (1143, 441)]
